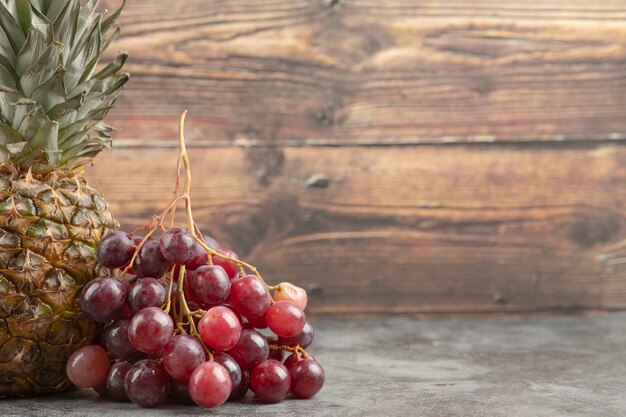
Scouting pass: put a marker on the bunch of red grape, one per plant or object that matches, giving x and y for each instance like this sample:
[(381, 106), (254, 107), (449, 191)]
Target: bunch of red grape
[(184, 321)]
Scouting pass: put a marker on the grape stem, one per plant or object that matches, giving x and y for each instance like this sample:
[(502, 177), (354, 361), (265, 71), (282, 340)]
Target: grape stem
[(296, 350), (185, 318)]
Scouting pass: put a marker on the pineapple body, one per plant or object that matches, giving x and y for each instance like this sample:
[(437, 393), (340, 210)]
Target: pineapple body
[(49, 229), (54, 95)]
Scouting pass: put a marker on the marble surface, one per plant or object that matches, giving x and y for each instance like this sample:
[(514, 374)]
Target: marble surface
[(540, 367)]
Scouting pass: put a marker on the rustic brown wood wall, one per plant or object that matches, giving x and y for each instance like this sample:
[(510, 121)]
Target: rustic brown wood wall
[(400, 156)]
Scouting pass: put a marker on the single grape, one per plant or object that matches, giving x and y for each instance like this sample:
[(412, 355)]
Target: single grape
[(231, 268), (307, 378), (241, 389), (220, 328), (115, 250), (200, 257), (257, 322), (102, 341), (101, 388), (117, 342), (146, 292), (270, 381), (103, 299), (289, 292), (209, 284), (115, 381), (88, 366), (193, 305), (126, 311), (291, 360), (250, 350), (180, 391), (150, 261), (181, 355), (303, 339), (233, 368), (150, 330), (210, 385), (177, 245), (250, 296), (276, 354), (285, 319), (210, 242), (147, 383)]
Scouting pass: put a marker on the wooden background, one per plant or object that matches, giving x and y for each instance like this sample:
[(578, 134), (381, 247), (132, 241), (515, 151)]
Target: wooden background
[(436, 157)]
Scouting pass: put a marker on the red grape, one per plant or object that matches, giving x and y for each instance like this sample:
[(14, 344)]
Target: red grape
[(302, 339), (270, 381), (180, 391), (233, 368), (250, 296), (103, 299), (117, 342), (150, 330), (101, 388), (251, 349), (231, 268), (181, 355), (276, 354), (150, 261), (289, 292), (146, 383), (220, 328), (88, 366), (285, 319), (209, 284), (146, 292), (115, 250), (210, 385), (241, 389), (307, 378), (291, 360), (177, 245), (200, 257), (115, 381), (258, 322)]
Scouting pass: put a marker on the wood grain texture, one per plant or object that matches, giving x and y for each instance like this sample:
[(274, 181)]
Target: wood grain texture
[(462, 229), (294, 72)]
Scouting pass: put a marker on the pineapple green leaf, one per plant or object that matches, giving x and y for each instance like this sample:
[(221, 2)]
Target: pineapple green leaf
[(4, 61), (42, 70), (54, 9), (112, 37), (9, 135), (34, 119), (15, 149), (113, 67), (24, 15), (86, 60), (32, 50), (66, 107), (53, 95), (110, 21), (8, 78), (52, 91), (65, 26), (11, 29)]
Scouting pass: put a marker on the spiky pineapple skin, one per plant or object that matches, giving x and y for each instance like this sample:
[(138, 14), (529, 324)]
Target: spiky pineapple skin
[(49, 229)]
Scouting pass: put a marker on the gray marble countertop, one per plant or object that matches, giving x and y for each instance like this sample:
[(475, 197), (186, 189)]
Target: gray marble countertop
[(560, 366)]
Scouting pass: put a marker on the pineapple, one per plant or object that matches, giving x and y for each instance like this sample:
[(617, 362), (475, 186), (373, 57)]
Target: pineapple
[(53, 97)]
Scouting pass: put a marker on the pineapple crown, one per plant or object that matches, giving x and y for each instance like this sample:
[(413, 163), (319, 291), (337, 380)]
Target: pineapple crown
[(52, 96)]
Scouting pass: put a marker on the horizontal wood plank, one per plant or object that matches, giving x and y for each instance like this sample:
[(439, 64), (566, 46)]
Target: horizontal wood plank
[(426, 229), (291, 72)]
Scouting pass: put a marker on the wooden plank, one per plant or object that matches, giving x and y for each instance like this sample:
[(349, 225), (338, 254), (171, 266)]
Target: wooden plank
[(347, 71), (425, 229)]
